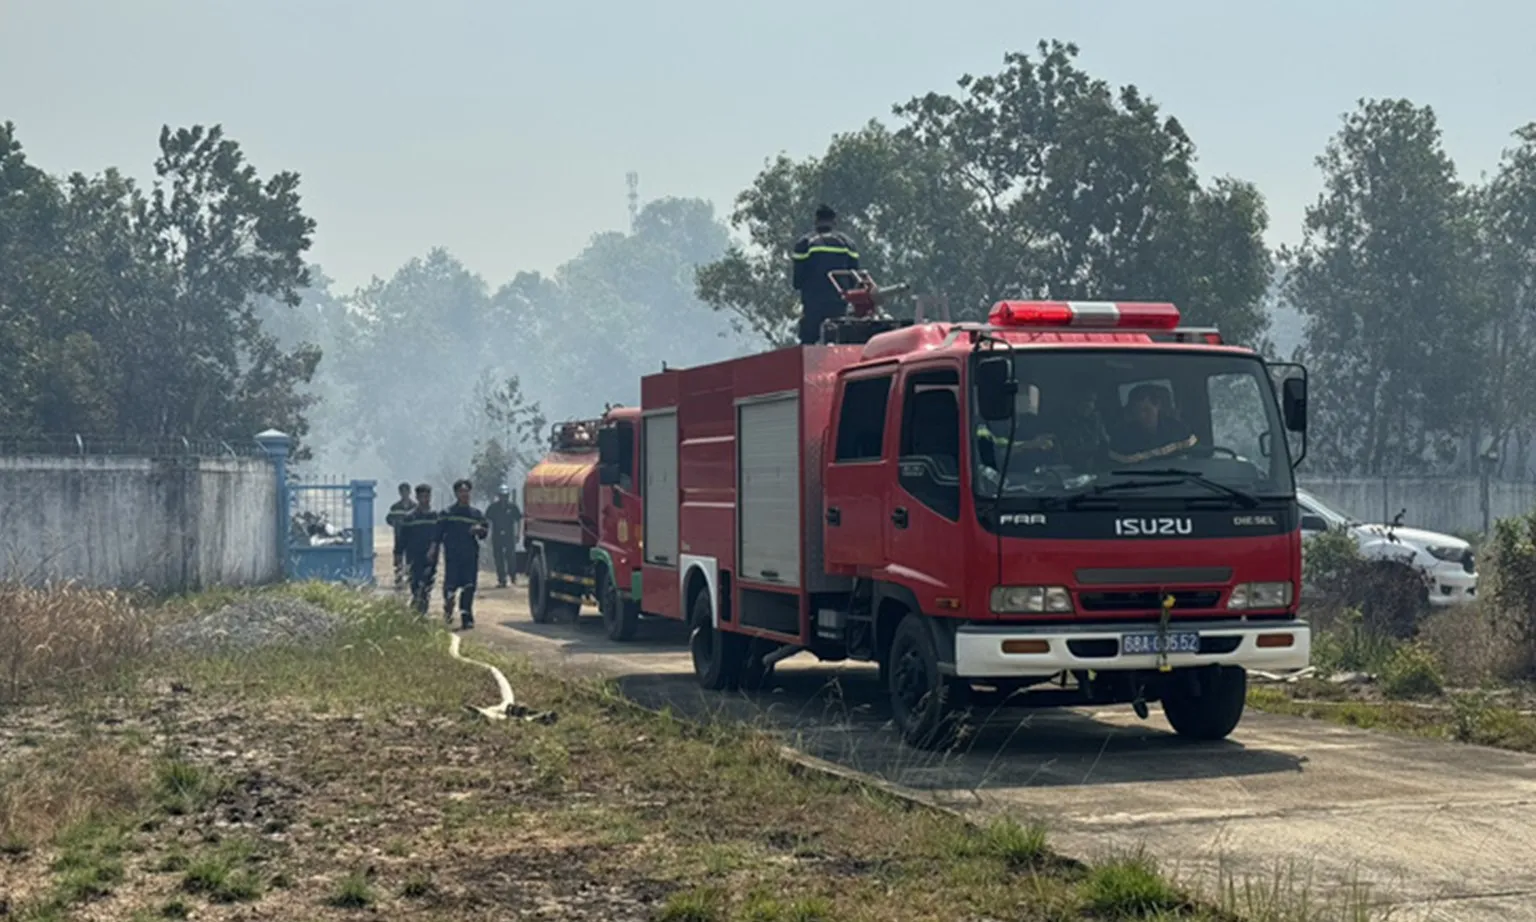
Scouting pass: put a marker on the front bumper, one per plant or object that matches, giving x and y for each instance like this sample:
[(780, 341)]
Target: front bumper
[(1451, 584), (979, 649)]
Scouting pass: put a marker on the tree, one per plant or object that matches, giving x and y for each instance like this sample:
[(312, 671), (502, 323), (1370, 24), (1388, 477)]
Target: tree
[(1384, 278), (517, 423), (135, 312), (1507, 207), (1039, 181)]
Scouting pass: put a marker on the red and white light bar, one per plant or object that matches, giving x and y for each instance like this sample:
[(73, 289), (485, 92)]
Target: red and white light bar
[(1140, 315)]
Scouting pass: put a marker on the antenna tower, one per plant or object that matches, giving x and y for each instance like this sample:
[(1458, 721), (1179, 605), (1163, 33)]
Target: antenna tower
[(633, 180)]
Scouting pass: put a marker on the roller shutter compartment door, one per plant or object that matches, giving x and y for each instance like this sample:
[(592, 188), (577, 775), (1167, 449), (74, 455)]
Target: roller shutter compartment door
[(768, 459), (661, 489)]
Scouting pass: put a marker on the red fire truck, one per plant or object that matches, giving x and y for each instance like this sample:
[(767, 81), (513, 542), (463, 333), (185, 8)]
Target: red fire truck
[(1074, 503)]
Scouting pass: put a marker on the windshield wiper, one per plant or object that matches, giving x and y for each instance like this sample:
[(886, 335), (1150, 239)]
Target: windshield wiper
[(1247, 499), (1073, 500)]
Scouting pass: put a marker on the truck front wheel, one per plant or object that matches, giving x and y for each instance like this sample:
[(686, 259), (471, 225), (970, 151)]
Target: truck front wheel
[(620, 615), (1212, 709), (927, 705), (717, 655), (538, 591)]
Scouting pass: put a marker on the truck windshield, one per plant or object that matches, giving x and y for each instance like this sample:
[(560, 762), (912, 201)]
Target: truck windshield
[(1135, 423)]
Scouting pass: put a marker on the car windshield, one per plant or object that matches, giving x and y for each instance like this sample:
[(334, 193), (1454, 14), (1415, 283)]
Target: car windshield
[(1143, 422)]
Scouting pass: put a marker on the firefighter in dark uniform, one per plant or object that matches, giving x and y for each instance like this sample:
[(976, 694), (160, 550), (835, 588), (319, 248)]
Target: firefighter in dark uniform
[(504, 516), (821, 251), (461, 529), (419, 532), (395, 520)]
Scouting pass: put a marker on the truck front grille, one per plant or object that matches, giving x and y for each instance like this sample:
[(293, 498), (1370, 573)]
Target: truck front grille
[(1147, 601)]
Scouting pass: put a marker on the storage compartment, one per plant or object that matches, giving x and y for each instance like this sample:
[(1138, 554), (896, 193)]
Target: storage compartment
[(661, 497), (768, 485)]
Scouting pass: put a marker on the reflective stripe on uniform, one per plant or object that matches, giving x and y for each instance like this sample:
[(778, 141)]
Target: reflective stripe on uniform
[(840, 251)]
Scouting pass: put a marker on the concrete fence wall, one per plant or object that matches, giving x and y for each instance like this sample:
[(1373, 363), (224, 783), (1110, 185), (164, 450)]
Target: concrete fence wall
[(1444, 504), (167, 523)]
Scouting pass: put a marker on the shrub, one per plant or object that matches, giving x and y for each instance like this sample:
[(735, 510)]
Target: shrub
[(1411, 672), (1508, 585), (1390, 596)]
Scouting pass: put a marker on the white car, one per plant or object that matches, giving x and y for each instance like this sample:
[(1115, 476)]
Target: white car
[(1445, 562)]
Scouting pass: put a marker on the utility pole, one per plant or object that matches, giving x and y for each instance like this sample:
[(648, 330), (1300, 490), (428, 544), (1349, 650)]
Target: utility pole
[(633, 180)]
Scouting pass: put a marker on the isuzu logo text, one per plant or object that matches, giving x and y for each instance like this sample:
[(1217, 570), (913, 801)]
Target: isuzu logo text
[(1151, 527)]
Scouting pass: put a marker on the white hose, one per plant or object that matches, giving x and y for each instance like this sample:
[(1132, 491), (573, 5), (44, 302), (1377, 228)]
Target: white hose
[(508, 707)]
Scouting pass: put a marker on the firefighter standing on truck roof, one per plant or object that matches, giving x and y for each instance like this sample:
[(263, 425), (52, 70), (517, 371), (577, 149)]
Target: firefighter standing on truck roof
[(504, 516), (462, 527), (821, 251), (420, 532), (395, 519)]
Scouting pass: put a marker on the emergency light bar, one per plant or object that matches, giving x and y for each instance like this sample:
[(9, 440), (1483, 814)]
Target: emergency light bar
[(1140, 315)]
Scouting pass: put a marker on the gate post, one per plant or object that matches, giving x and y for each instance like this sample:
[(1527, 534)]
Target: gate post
[(362, 528), (277, 445)]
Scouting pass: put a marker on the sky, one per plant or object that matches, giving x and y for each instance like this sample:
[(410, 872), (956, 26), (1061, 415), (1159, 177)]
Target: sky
[(503, 129)]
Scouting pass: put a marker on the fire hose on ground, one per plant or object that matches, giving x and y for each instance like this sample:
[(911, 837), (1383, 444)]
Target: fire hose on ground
[(508, 708)]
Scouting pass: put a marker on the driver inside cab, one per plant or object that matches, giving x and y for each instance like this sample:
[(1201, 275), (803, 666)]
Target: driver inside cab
[(1151, 428)]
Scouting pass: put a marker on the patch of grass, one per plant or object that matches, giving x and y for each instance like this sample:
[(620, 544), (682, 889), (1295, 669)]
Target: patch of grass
[(222, 875), (700, 904), (182, 787), (1468, 717), (67, 783), (418, 886), (90, 862), (64, 639), (764, 908), (355, 891), (1130, 887)]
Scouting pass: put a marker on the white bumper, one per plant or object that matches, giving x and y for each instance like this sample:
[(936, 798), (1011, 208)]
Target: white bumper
[(980, 653), (1451, 584)]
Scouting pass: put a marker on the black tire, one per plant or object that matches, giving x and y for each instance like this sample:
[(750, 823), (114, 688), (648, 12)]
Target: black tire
[(620, 616), (717, 656), (538, 591), (927, 705), (1215, 712)]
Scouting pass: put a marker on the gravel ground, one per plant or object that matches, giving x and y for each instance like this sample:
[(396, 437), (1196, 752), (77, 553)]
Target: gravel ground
[(251, 624)]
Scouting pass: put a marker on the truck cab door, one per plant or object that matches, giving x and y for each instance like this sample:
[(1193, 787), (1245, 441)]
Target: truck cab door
[(925, 542), (620, 502), (857, 471)]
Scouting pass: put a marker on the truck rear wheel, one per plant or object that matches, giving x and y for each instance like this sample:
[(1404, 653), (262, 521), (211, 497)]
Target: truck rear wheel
[(927, 705), (717, 655), (1215, 711), (621, 617), (538, 590)]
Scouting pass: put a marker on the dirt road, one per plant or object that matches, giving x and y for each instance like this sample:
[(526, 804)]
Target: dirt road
[(1441, 831)]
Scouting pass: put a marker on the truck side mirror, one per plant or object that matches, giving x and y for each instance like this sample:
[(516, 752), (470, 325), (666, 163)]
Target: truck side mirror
[(995, 387), (1293, 403), (1313, 523)]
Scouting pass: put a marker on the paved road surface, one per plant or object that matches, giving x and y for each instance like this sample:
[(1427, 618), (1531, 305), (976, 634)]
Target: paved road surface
[(1442, 831)]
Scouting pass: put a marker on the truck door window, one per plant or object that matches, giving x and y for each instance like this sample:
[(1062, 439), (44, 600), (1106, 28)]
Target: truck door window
[(861, 422), (929, 466), (627, 456), (1237, 416)]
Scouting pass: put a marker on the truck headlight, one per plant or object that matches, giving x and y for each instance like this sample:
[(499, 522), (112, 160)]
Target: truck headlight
[(1031, 599), (1259, 595)]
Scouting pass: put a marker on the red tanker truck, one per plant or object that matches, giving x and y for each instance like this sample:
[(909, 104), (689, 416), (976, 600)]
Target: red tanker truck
[(582, 541), (1074, 503)]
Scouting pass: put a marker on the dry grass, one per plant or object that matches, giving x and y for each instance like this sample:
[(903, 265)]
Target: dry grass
[(1471, 648), (60, 637), (329, 783)]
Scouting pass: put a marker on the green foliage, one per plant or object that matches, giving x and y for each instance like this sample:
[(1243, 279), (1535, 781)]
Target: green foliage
[(1388, 596), (1412, 671), (1036, 181), (134, 312), (1508, 583), (1348, 645)]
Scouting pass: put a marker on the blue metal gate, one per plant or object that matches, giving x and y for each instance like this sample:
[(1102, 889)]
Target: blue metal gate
[(325, 530), (330, 531)]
